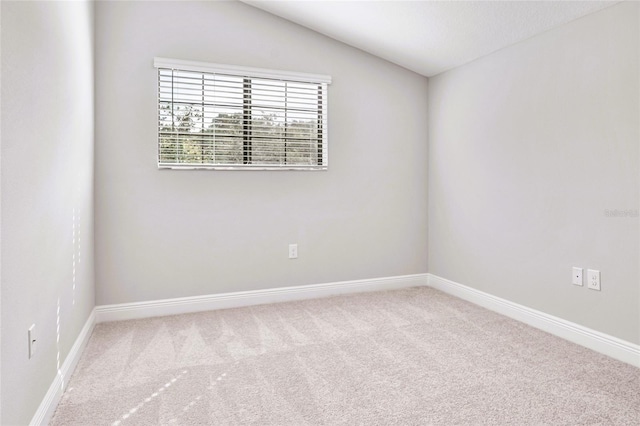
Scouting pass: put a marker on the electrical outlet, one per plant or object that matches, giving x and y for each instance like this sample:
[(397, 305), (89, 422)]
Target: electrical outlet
[(293, 251), (593, 279), (31, 334), (577, 276)]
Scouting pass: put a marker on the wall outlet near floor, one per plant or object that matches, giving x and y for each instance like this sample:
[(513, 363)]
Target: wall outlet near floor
[(31, 334), (593, 279), (577, 276), (293, 251)]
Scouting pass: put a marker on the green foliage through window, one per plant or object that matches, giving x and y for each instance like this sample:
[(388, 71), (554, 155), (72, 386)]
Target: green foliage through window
[(215, 120)]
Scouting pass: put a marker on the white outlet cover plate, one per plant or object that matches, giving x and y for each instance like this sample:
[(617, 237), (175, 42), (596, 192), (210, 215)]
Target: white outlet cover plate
[(593, 279), (31, 334), (577, 276)]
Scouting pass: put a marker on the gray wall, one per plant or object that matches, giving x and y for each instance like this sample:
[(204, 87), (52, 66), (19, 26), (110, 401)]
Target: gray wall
[(164, 234), (528, 148), (47, 176)]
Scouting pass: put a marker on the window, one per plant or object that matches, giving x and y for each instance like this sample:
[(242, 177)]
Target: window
[(223, 117)]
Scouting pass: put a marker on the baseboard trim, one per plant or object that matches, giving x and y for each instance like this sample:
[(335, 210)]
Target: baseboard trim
[(183, 305), (595, 340), (52, 398), (600, 342)]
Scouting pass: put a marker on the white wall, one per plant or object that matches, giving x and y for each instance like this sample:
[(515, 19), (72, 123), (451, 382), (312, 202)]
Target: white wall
[(47, 177), (528, 147), (163, 234)]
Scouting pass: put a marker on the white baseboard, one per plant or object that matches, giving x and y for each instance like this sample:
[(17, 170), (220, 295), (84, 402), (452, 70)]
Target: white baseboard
[(597, 341), (182, 305), (52, 398), (600, 342)]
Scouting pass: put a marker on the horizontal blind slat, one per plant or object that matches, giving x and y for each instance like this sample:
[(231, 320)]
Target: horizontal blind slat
[(213, 120)]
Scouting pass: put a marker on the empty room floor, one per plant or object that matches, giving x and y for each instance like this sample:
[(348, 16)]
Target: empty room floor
[(405, 357)]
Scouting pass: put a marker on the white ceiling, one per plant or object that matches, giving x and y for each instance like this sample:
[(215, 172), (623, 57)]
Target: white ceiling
[(430, 37)]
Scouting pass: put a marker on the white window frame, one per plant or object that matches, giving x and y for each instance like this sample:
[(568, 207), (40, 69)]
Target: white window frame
[(248, 73)]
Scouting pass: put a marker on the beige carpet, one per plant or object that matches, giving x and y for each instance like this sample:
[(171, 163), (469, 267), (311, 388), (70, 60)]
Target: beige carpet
[(406, 357)]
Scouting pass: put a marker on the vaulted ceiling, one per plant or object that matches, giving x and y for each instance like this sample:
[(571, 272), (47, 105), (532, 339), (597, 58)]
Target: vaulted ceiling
[(430, 37)]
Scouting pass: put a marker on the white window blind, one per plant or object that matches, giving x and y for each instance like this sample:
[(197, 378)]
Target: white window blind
[(226, 117)]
